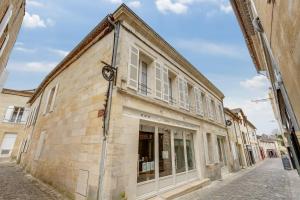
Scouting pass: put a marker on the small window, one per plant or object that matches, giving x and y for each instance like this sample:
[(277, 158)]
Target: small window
[(51, 100), (15, 114)]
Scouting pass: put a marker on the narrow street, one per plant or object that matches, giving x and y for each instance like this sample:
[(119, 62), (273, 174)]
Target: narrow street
[(267, 181), (14, 184)]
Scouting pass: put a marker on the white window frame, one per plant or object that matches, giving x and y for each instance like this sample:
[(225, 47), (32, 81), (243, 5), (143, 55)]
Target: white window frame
[(6, 19)]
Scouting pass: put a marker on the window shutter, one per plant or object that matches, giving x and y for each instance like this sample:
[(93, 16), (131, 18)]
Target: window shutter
[(201, 103), (181, 93), (166, 84), (158, 80), (186, 95), (133, 68), (25, 115), (8, 114), (197, 100), (209, 107), (53, 98)]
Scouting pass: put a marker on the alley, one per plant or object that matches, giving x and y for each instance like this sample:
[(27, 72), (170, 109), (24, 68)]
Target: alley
[(14, 184), (267, 181)]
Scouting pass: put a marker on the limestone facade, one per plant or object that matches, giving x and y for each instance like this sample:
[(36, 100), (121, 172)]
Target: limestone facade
[(14, 112), (271, 31), (167, 125), (11, 17)]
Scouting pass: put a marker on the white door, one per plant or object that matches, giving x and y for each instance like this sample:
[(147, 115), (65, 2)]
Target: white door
[(7, 144)]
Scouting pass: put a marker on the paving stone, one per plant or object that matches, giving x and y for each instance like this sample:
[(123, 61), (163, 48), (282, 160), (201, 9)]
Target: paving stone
[(14, 184), (267, 181)]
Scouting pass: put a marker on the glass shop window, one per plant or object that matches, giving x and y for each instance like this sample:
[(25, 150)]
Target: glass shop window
[(146, 165), (165, 156), (190, 151), (179, 152)]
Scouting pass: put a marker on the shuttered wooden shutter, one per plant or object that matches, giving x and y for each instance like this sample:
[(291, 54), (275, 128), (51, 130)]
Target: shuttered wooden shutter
[(25, 115), (166, 84), (133, 68), (158, 80), (197, 100), (181, 92), (8, 113), (186, 95), (201, 103)]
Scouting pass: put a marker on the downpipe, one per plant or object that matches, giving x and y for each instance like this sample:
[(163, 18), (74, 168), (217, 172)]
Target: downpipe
[(109, 72)]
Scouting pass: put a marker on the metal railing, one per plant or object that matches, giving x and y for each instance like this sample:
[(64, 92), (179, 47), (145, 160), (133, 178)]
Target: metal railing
[(144, 89)]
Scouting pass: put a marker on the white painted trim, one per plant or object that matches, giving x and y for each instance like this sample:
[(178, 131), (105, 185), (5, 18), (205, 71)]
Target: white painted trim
[(6, 19)]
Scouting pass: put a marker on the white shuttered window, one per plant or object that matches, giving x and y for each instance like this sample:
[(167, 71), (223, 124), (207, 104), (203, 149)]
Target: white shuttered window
[(198, 101), (166, 87), (183, 93), (158, 80), (133, 68)]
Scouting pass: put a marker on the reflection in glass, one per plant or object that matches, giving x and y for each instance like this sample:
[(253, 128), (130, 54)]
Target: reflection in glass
[(146, 165), (190, 151), (165, 159), (179, 152)]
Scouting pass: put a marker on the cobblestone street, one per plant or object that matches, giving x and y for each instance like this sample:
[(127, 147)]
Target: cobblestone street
[(267, 181), (14, 184)]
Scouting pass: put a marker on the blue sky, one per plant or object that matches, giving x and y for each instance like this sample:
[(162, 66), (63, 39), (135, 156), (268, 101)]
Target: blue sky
[(206, 32)]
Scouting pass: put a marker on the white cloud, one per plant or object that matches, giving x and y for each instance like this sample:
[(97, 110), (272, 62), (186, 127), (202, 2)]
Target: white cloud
[(178, 7), (33, 21), (24, 50), (32, 66), (134, 4), (226, 8), (258, 82), (34, 3), (210, 7), (200, 46), (260, 114), (59, 52), (115, 1)]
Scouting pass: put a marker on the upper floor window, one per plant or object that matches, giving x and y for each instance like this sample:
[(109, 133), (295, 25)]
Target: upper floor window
[(15, 114), (199, 101), (51, 99)]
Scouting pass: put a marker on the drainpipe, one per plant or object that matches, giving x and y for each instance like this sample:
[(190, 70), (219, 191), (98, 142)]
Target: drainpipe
[(112, 69)]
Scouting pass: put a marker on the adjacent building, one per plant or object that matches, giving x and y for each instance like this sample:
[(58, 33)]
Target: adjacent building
[(249, 139), (236, 141), (15, 112), (166, 128), (269, 146), (11, 17), (271, 30)]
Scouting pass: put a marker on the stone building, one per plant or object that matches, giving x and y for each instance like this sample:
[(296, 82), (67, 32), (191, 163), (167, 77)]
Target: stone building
[(15, 112), (268, 146), (11, 17), (271, 30), (235, 138), (167, 132), (249, 139)]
